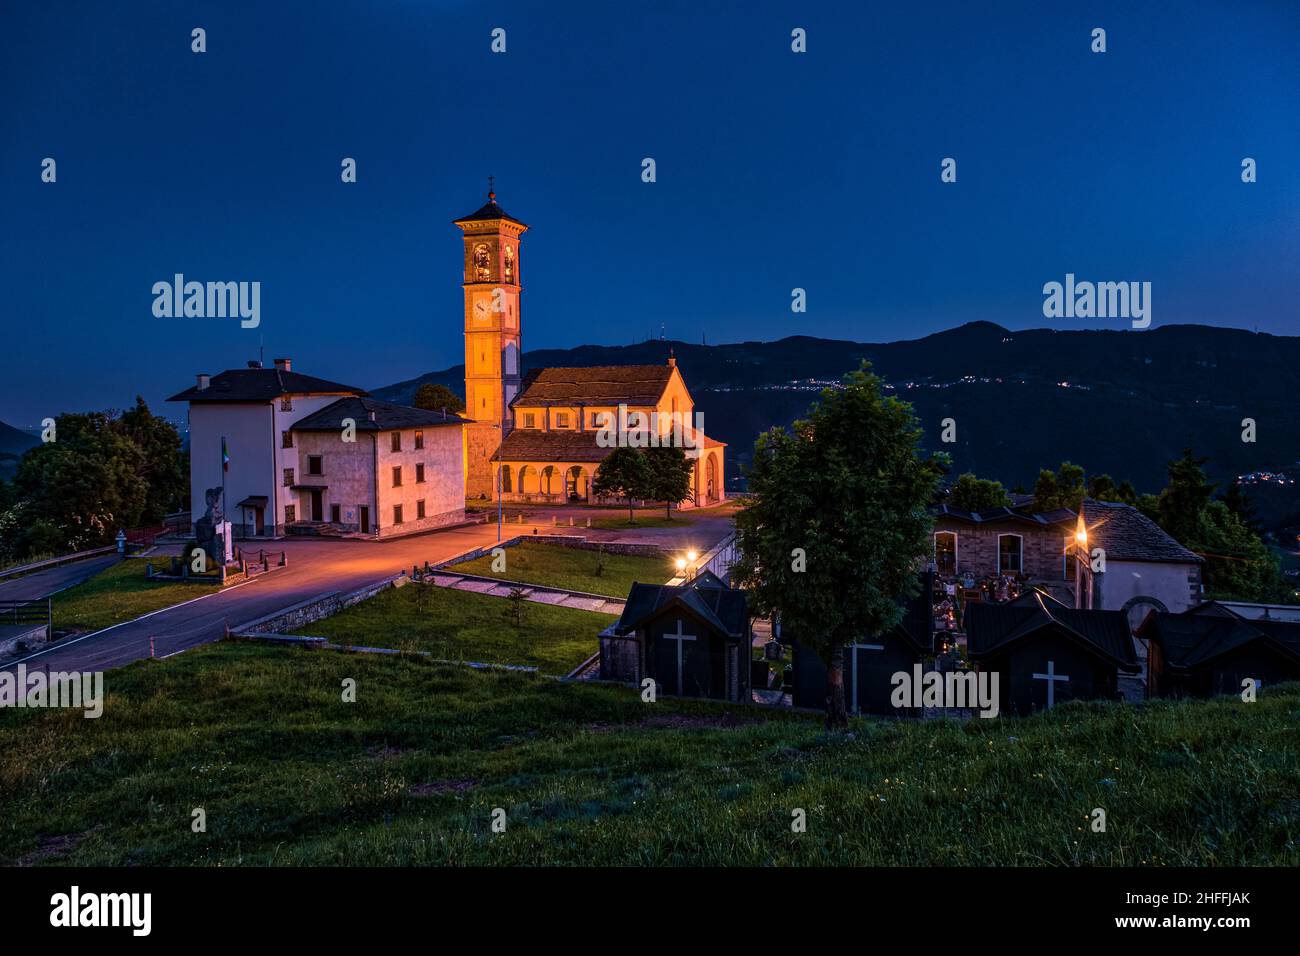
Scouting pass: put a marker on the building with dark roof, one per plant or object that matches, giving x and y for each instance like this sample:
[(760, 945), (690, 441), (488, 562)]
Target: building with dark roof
[(542, 437), (692, 639), (1212, 650), (870, 662), (1126, 562), (1045, 652), (292, 452)]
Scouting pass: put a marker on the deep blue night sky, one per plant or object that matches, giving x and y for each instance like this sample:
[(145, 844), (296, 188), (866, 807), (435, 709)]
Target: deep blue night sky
[(775, 170)]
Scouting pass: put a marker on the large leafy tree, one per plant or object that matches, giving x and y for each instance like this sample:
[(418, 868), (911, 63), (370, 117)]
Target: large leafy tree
[(668, 472), (102, 472), (1063, 488), (970, 493), (837, 521), (623, 474), (434, 398)]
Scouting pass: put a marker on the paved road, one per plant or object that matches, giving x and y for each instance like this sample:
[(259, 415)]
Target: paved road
[(316, 567), (42, 584)]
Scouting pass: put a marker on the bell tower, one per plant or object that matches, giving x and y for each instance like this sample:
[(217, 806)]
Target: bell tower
[(492, 344)]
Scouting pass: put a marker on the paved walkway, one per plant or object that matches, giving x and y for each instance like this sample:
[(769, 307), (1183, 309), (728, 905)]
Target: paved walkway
[(531, 592)]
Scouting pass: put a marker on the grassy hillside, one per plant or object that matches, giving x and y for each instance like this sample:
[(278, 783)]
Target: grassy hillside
[(410, 774), (460, 625), (577, 569)]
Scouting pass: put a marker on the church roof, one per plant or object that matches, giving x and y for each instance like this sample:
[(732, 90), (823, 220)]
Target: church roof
[(260, 385), (489, 211), (1126, 534), (533, 444), (991, 627), (595, 385), (387, 417)]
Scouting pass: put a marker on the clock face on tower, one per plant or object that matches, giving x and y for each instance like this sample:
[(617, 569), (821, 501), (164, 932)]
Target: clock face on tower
[(482, 309)]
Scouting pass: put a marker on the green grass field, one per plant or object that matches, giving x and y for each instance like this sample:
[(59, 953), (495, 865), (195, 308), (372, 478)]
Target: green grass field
[(460, 625), (588, 775), (572, 568), (120, 593)]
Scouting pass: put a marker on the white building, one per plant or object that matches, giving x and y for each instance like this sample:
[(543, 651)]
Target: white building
[(276, 477), (1139, 567)]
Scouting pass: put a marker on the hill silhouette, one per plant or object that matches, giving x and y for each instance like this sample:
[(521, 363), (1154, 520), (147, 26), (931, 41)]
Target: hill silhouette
[(1122, 402)]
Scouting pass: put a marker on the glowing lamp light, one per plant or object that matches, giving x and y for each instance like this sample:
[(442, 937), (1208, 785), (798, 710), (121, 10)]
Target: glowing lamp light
[(1081, 537), (692, 555), (681, 564)]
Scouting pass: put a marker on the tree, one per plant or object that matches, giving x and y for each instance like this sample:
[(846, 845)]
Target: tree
[(1239, 504), (977, 494), (434, 398), (836, 520), (165, 465), (1063, 488), (1238, 565), (623, 474), (1102, 488), (669, 473), (1181, 503), (103, 471)]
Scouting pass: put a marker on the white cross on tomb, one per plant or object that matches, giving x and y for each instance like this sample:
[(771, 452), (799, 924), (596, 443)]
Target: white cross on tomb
[(1051, 677)]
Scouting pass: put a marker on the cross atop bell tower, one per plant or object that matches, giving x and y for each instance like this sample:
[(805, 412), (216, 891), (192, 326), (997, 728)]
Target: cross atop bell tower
[(492, 335)]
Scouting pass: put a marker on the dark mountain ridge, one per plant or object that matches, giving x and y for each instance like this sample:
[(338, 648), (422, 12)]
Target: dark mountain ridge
[(1122, 402)]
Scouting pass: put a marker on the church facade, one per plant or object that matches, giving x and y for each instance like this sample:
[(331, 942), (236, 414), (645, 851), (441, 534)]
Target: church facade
[(543, 435)]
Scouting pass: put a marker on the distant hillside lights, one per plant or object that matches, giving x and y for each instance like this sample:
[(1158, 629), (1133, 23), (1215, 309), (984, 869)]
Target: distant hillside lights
[(209, 300), (1101, 300)]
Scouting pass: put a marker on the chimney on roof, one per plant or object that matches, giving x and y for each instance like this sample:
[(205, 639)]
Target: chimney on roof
[(254, 363), (372, 414), (284, 365), (203, 381), (672, 358)]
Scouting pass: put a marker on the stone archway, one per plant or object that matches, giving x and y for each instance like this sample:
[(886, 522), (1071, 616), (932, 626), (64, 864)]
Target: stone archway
[(711, 479), (576, 484), (506, 486), (1136, 610), (1143, 603), (547, 482), (528, 480)]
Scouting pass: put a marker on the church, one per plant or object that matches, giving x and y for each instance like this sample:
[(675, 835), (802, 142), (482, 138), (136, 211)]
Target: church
[(542, 435)]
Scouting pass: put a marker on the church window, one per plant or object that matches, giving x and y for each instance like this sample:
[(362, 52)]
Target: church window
[(286, 403), (397, 441), (561, 419), (419, 473), (510, 264), (419, 508), (530, 420), (397, 476), (314, 465), (397, 514), (419, 440), (290, 514), (286, 439), (288, 477)]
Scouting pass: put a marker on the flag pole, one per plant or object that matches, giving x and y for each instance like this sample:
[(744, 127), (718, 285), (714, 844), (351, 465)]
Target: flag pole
[(223, 500)]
